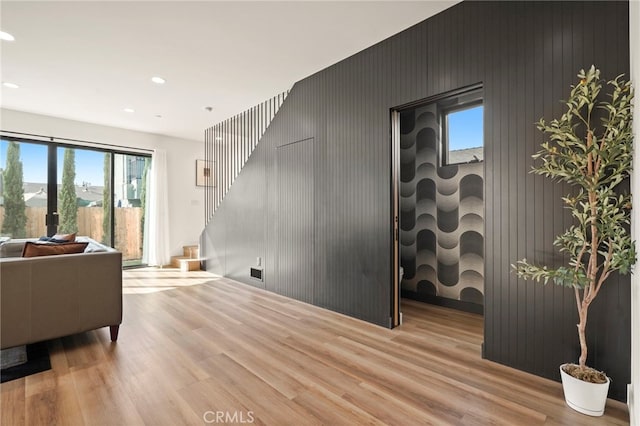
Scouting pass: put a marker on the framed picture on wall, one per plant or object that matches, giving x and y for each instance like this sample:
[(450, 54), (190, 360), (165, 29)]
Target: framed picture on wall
[(204, 173)]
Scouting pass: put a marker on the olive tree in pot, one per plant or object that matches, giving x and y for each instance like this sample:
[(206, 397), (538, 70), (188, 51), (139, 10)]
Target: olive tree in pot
[(589, 147)]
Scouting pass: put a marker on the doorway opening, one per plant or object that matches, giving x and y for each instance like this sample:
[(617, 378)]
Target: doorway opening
[(438, 201)]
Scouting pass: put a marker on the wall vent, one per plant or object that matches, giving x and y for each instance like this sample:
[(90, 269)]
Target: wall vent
[(256, 273)]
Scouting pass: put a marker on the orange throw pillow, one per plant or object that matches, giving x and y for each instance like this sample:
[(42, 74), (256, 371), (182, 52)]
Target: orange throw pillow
[(33, 249), (66, 237)]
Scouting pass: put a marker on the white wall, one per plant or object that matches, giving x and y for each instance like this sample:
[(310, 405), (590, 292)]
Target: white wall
[(634, 38), (186, 214)]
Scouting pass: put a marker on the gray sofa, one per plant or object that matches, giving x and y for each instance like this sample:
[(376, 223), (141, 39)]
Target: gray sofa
[(47, 297)]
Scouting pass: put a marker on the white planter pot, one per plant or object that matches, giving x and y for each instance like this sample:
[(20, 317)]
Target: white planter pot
[(584, 397)]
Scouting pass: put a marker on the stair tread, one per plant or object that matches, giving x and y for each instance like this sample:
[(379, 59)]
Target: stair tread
[(192, 251)]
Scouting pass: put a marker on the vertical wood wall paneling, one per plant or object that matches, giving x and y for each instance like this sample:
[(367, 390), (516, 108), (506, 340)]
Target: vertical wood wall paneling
[(526, 54), (295, 213)]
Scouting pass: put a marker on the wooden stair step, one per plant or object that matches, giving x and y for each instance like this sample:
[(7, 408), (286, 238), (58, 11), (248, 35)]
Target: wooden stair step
[(185, 263), (192, 252)]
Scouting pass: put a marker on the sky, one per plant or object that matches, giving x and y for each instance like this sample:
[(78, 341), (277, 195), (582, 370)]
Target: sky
[(465, 128), (89, 164)]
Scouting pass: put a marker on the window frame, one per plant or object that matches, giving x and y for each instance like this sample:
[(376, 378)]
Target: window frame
[(52, 175), (477, 99)]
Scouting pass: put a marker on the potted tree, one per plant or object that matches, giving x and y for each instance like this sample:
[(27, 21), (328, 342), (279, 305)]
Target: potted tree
[(589, 147)]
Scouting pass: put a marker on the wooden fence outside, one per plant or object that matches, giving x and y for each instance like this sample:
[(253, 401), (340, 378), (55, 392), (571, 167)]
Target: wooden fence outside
[(128, 238)]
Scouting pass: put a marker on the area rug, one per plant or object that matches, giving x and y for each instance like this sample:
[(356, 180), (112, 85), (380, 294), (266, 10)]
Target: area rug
[(37, 361)]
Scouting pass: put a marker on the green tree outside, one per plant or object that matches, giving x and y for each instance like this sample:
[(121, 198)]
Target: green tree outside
[(68, 200), (143, 197), (106, 201), (15, 217)]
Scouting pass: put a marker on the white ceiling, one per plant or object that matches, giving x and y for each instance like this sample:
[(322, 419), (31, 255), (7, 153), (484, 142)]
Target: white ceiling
[(87, 60)]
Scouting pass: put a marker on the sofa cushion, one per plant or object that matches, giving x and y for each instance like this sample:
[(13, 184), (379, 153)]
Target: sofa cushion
[(59, 238), (52, 240), (12, 248), (94, 246), (32, 249), (66, 237)]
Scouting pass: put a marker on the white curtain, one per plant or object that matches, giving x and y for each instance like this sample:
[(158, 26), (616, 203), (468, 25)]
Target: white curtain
[(158, 212)]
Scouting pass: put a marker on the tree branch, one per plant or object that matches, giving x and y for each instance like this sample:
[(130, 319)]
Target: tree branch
[(606, 271), (576, 290)]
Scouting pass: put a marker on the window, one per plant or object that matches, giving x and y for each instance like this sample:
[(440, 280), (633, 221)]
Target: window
[(462, 129), (48, 187)]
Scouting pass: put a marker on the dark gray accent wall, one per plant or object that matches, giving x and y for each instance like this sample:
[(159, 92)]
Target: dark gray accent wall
[(526, 55), (295, 238)]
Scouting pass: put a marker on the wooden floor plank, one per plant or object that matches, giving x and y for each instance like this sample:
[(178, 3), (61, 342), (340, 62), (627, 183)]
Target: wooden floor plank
[(193, 346)]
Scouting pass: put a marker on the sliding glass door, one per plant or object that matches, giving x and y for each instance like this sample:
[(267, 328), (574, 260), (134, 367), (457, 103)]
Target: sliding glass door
[(130, 183), (81, 188), (23, 189), (48, 188)]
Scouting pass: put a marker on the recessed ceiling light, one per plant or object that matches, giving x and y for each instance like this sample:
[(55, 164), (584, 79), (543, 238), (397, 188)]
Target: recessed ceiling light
[(6, 36), (158, 80), (207, 108), (129, 110), (158, 116), (10, 85)]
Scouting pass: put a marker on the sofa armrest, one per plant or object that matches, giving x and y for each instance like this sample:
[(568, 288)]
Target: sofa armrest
[(52, 296)]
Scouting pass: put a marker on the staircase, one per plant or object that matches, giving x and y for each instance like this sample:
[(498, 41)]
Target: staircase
[(228, 146), (189, 261)]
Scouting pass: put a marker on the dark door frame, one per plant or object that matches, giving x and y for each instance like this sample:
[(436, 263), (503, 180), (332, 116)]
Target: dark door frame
[(396, 315)]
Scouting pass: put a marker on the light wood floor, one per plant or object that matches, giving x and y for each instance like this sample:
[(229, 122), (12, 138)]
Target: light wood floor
[(192, 345)]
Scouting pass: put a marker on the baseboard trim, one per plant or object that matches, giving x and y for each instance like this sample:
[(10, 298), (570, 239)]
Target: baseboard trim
[(443, 301)]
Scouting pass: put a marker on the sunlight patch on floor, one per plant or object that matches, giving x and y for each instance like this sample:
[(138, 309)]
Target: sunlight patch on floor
[(153, 280)]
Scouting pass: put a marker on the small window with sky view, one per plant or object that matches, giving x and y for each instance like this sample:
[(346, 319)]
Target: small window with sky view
[(463, 134)]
